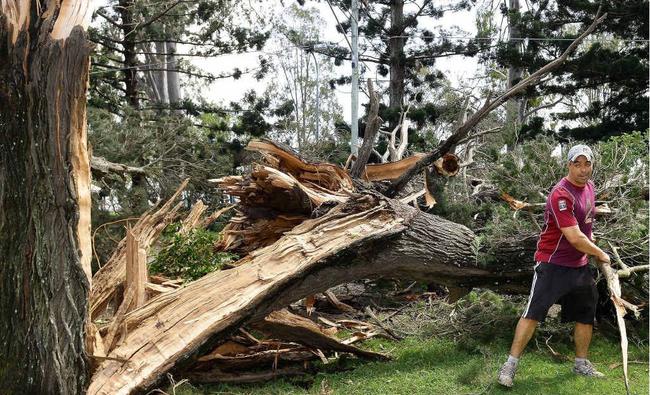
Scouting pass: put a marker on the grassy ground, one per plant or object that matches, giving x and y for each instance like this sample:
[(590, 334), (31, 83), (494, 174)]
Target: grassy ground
[(439, 366)]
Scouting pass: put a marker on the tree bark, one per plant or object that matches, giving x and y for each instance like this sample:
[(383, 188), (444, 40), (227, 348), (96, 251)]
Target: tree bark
[(515, 107), (396, 56), (130, 54), (44, 196)]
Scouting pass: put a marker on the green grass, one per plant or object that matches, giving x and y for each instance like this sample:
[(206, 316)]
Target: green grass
[(439, 366)]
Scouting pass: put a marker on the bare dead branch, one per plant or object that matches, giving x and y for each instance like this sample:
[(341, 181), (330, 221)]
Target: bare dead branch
[(372, 126), (100, 166), (462, 131)]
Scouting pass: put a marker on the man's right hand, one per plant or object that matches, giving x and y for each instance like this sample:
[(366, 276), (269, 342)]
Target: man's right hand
[(603, 258)]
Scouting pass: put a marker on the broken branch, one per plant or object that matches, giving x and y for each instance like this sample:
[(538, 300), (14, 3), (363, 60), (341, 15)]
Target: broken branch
[(462, 131)]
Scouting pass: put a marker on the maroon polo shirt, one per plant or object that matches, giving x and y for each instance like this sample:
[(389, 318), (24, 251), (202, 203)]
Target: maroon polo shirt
[(566, 205)]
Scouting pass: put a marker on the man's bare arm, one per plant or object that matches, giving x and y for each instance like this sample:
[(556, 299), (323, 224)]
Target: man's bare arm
[(582, 243)]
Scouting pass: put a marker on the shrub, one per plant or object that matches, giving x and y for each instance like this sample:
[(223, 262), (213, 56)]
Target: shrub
[(189, 256)]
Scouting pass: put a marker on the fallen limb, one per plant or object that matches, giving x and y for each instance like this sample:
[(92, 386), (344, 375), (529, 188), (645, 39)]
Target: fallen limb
[(288, 326), (337, 303), (372, 314), (261, 359), (100, 167), (217, 376), (620, 306)]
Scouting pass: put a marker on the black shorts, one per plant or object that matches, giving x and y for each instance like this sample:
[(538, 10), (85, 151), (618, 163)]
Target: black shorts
[(574, 288)]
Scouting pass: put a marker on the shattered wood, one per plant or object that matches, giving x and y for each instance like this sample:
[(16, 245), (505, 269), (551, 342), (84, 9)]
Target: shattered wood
[(109, 280), (288, 326), (227, 298)]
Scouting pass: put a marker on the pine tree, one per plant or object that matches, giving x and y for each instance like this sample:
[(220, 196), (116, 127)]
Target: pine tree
[(603, 89)]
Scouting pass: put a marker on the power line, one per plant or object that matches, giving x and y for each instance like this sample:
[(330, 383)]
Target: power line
[(499, 40)]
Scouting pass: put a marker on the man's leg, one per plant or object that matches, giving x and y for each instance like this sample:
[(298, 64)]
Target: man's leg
[(582, 339), (542, 296), (523, 334)]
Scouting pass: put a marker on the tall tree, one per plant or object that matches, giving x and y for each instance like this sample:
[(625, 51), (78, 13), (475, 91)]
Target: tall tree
[(146, 108), (44, 196), (516, 106), (400, 41), (138, 60), (302, 101), (603, 91)]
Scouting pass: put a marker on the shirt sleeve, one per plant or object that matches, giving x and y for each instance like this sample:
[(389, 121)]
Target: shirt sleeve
[(562, 208)]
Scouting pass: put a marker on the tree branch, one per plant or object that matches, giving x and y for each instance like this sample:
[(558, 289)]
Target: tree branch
[(100, 165), (156, 17), (461, 132), (372, 126)]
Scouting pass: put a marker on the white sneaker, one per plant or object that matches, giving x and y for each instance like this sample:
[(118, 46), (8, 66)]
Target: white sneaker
[(507, 374), (586, 369)]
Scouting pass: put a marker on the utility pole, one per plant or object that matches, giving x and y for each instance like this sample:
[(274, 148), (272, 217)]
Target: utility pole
[(355, 77), (317, 98)]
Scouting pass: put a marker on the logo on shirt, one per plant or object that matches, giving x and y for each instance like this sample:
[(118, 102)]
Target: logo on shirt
[(562, 204)]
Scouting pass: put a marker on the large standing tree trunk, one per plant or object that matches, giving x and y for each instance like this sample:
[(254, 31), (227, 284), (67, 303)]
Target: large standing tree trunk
[(130, 55), (44, 196), (515, 106), (396, 53)]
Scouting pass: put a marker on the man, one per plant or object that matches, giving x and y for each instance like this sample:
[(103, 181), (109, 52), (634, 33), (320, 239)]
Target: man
[(561, 273)]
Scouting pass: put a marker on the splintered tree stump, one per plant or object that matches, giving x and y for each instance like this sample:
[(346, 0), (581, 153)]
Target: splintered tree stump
[(109, 280)]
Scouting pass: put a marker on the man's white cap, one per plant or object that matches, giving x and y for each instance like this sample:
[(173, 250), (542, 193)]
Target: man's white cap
[(578, 150)]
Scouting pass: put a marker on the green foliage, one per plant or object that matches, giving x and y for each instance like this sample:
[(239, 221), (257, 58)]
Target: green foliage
[(605, 81), (189, 256), (528, 169), (476, 319), (134, 37)]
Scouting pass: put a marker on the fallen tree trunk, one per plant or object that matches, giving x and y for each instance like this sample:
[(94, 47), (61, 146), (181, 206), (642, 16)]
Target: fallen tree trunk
[(367, 237), (216, 376)]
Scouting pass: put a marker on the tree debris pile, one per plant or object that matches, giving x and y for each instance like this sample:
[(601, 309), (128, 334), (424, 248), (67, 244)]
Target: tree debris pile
[(329, 231)]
